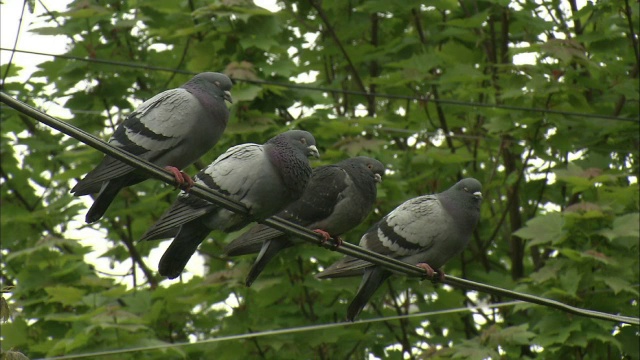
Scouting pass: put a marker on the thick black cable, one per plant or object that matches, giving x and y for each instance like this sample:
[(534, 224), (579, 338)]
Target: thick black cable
[(339, 91), (289, 227)]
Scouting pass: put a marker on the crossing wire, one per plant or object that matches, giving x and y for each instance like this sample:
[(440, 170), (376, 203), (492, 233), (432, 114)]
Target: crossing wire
[(337, 91), (289, 227), (282, 331)]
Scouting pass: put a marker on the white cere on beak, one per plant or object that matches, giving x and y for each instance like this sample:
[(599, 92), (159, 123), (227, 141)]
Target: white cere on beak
[(314, 151)]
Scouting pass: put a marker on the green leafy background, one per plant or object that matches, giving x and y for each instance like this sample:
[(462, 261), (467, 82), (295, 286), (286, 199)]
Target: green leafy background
[(559, 219)]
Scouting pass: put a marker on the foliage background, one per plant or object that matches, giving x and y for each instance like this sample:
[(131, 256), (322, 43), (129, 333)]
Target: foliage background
[(560, 216)]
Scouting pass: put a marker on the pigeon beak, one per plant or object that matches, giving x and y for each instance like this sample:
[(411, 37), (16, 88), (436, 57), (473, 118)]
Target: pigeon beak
[(377, 178), (227, 96), (313, 151), (478, 194)]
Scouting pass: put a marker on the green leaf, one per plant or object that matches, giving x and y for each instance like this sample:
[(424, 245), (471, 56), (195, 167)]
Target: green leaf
[(618, 284), (246, 93), (544, 229), (624, 226), (65, 295)]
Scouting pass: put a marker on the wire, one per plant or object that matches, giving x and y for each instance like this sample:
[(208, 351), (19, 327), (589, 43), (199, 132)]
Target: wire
[(283, 331), (340, 91), (368, 127), (289, 227)]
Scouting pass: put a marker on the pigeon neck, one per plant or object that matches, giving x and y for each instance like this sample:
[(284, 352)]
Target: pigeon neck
[(463, 209), (292, 165), (362, 178), (209, 96)]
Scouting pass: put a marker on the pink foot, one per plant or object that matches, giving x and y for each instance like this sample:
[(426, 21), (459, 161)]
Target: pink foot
[(431, 273), (326, 236), (183, 180), (188, 180)]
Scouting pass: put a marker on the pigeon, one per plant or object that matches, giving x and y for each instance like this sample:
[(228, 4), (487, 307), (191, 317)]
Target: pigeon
[(426, 231), (338, 198), (172, 129), (265, 178)]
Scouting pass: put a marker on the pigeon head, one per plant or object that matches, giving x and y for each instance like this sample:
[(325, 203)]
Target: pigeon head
[(462, 201), (301, 140), (373, 166), (212, 81), (469, 188)]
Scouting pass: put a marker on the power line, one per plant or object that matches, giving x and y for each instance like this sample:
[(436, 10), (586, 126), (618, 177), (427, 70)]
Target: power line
[(338, 91), (282, 331), (368, 128), (292, 228)]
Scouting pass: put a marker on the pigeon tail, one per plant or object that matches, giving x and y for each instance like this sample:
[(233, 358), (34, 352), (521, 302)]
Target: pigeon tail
[(241, 248), (182, 248), (102, 201), (269, 249), (249, 242), (371, 281)]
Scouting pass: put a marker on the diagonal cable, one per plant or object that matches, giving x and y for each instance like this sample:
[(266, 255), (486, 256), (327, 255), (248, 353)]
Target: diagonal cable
[(289, 227)]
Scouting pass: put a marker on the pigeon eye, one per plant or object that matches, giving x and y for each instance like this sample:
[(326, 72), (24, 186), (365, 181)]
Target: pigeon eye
[(465, 189), (370, 166), (303, 141)]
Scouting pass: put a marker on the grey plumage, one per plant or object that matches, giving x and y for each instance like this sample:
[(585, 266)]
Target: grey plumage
[(265, 178), (337, 199), (172, 129), (426, 230)]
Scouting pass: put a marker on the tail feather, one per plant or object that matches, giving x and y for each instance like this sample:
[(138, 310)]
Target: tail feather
[(168, 225), (243, 246), (182, 248), (101, 203), (346, 267), (371, 281), (251, 241), (269, 250)]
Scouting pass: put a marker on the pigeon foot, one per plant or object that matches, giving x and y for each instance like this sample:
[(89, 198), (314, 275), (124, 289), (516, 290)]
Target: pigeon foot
[(183, 180), (432, 273), (326, 236)]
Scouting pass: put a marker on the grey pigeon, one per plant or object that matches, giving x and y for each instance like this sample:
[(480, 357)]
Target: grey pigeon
[(265, 178), (337, 199), (172, 129), (426, 231)]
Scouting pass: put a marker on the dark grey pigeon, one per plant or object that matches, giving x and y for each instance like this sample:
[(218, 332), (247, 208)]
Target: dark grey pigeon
[(337, 199), (265, 178), (172, 129), (426, 231)]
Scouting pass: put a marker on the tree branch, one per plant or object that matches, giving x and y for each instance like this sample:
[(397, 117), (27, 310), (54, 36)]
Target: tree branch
[(406, 344), (135, 255), (316, 5), (374, 68)]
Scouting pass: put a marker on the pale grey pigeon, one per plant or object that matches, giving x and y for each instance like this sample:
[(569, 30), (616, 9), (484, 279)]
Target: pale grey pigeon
[(338, 198), (172, 129), (265, 178), (426, 231)]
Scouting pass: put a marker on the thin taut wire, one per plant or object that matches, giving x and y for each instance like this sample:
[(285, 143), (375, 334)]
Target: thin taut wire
[(339, 91), (292, 330)]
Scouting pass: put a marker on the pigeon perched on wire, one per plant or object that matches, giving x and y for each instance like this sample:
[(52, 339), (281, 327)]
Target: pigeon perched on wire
[(338, 198), (172, 129), (426, 231), (265, 178)]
